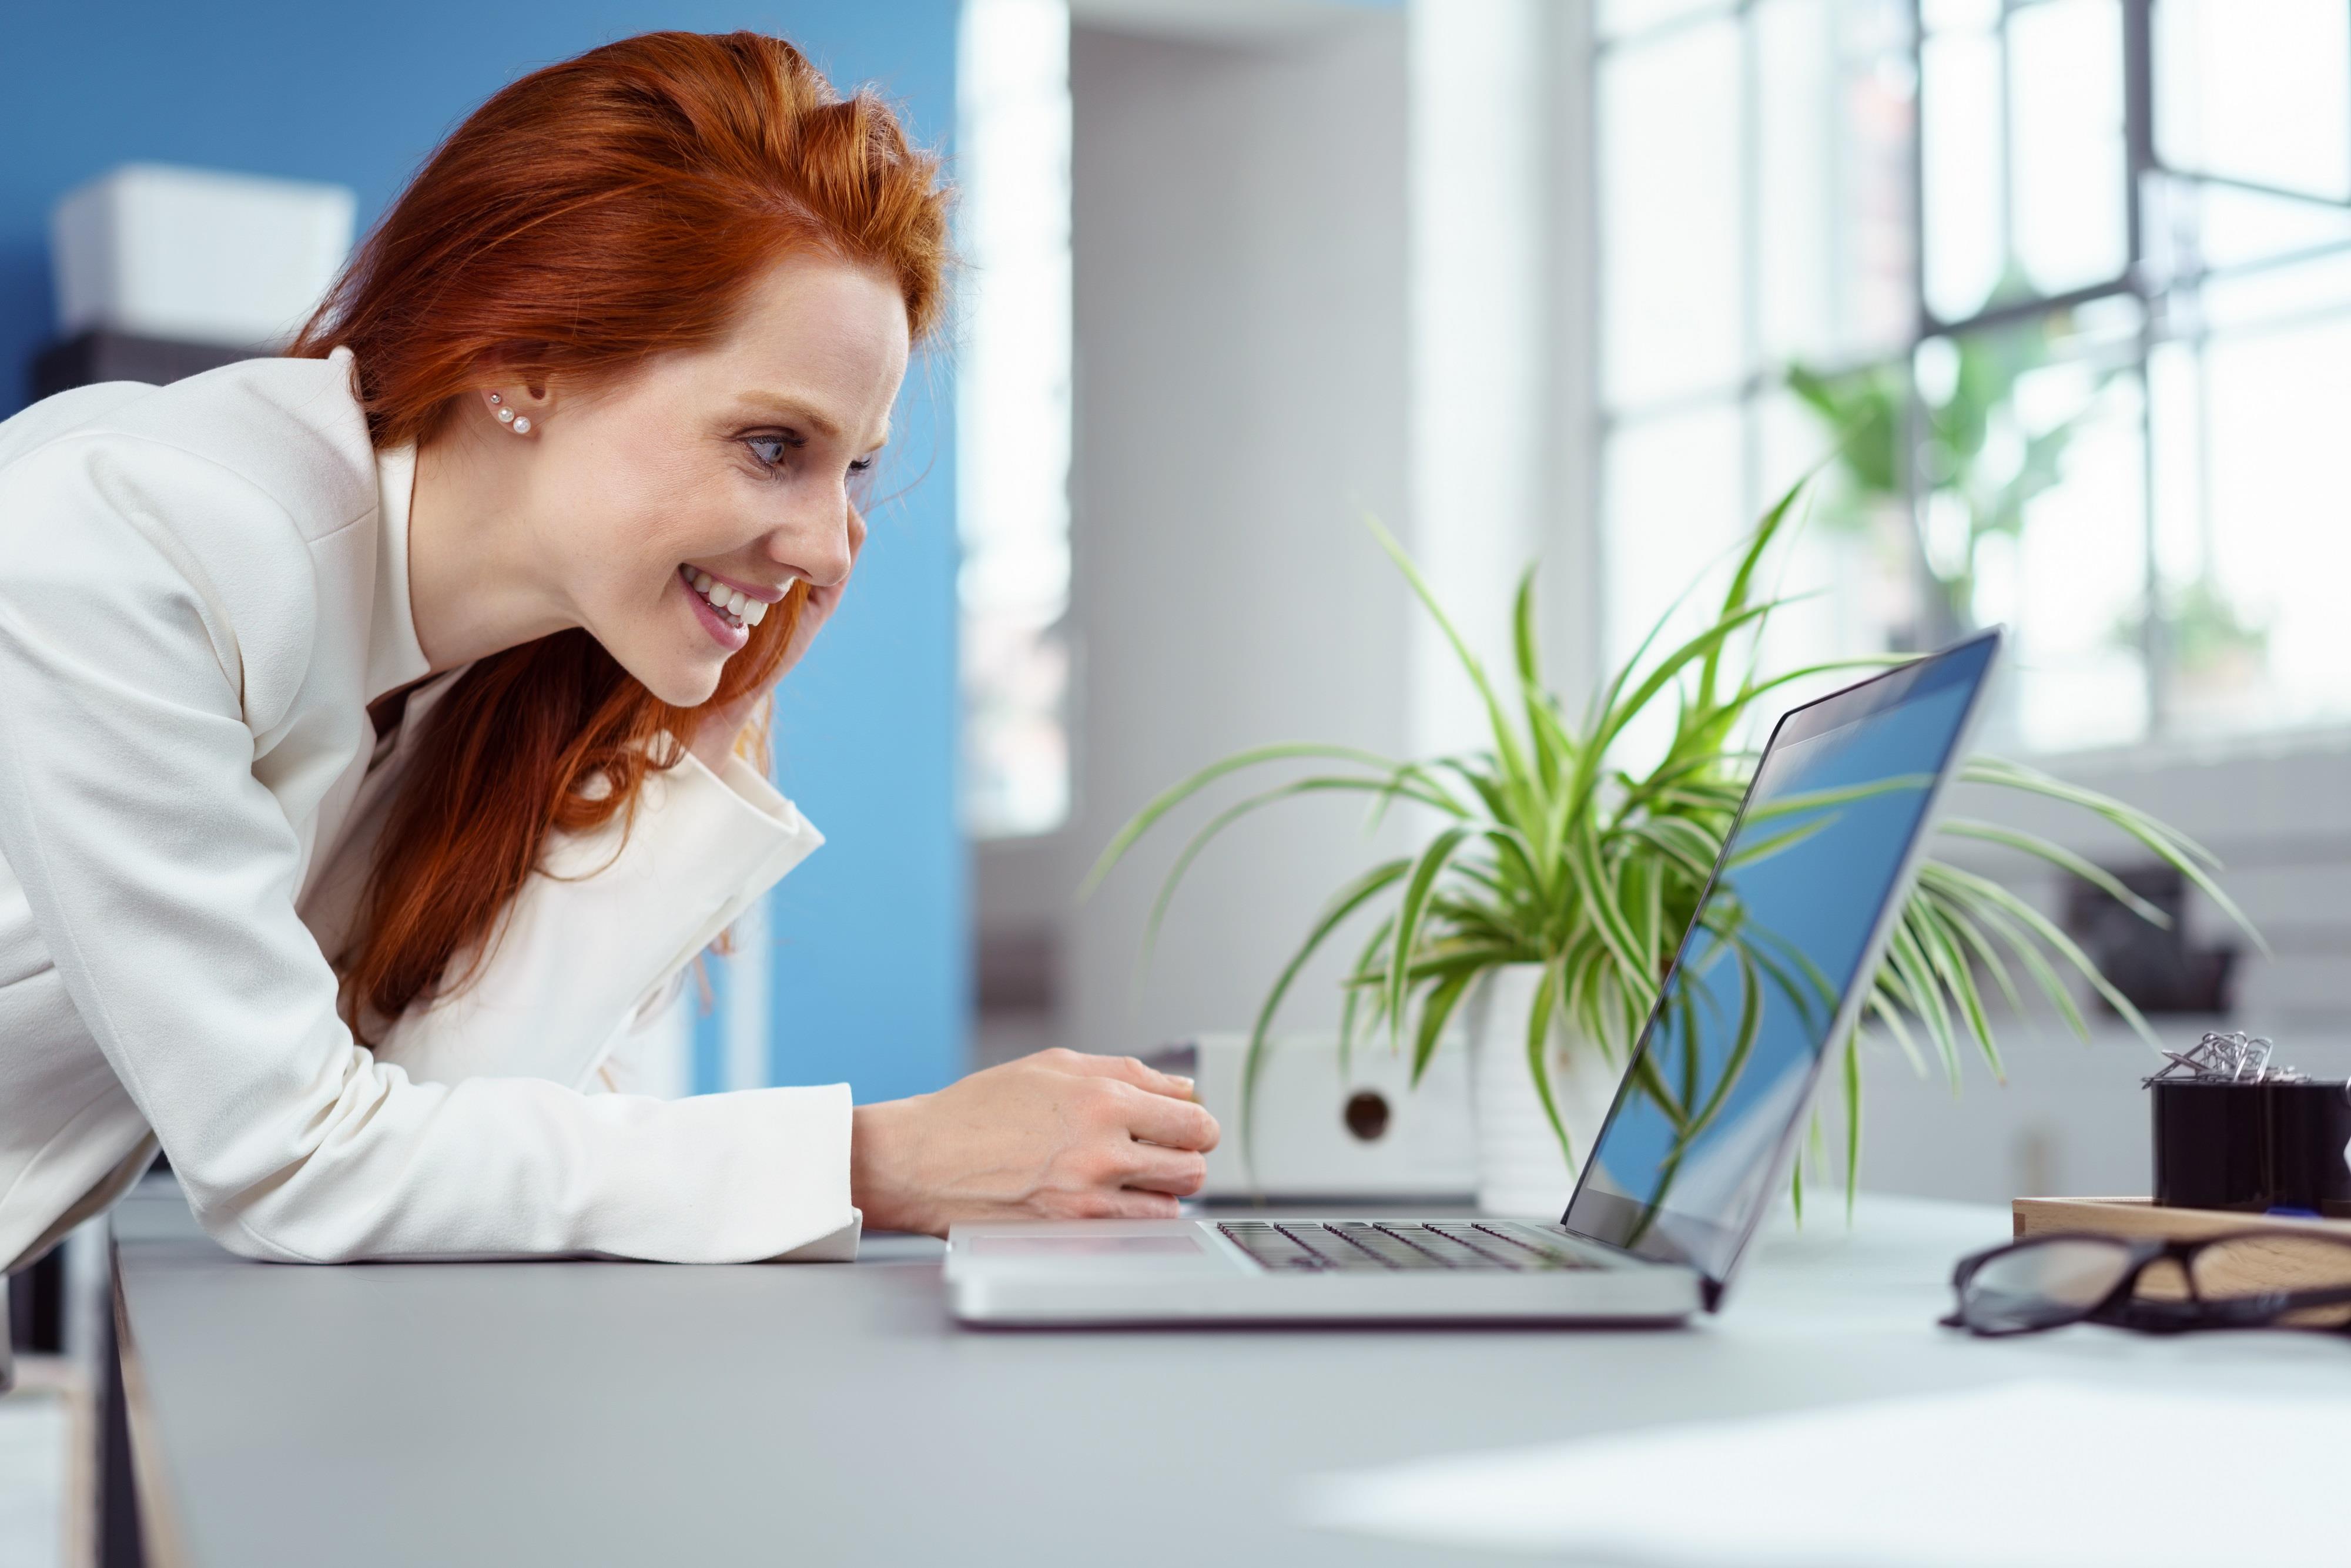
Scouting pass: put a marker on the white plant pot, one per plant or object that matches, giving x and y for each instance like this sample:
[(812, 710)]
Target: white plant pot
[(1522, 1170)]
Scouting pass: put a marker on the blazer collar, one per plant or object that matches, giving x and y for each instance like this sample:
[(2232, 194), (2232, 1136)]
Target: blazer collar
[(396, 658)]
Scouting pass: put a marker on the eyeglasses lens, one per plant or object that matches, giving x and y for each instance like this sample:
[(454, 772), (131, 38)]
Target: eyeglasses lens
[(2250, 1265), (2039, 1284)]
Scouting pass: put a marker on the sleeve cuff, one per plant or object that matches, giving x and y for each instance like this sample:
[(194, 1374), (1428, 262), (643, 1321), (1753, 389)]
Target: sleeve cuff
[(834, 1246)]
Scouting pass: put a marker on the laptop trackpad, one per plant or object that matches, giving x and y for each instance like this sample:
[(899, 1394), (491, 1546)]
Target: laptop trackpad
[(1083, 1246), (1091, 1247)]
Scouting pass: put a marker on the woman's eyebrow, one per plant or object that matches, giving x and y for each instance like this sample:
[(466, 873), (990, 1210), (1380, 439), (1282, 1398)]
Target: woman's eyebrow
[(783, 406)]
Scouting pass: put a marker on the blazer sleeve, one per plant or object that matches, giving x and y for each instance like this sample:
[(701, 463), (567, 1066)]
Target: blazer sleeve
[(601, 931), (141, 664)]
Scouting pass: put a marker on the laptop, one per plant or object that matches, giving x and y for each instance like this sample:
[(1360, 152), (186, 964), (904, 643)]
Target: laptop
[(1774, 969)]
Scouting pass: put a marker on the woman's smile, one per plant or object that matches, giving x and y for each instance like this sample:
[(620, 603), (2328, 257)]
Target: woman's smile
[(727, 612)]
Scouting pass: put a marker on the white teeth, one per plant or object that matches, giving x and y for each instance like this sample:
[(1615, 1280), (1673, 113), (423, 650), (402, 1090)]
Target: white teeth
[(738, 606)]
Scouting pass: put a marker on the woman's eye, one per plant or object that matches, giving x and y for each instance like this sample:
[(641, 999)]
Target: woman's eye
[(862, 466), (770, 449)]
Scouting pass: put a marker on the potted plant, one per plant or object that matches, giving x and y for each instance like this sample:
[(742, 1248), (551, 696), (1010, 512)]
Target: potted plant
[(1556, 883)]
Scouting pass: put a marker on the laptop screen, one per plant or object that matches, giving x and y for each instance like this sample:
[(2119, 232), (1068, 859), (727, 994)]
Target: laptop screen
[(1687, 1161)]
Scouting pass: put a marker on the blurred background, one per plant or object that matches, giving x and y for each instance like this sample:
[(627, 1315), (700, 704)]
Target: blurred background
[(2052, 292), (2055, 296)]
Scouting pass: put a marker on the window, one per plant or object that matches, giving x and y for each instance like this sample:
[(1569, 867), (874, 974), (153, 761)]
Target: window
[(1012, 413), (2066, 285)]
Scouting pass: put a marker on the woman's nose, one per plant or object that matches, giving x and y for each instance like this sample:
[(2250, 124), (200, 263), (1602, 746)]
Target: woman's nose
[(816, 548)]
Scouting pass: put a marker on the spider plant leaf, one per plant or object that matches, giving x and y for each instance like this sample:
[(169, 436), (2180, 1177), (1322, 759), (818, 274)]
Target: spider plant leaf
[(1506, 740), (1749, 694), (1763, 849), (1839, 795), (1490, 791), (2066, 860), (1342, 903), (1742, 580), (1544, 731), (1614, 721), (1538, 1055), (1651, 1081), (1604, 700), (1994, 914), (1352, 988), (1436, 1011), (1176, 794), (1852, 1120), (1485, 876), (1673, 771), (1513, 858), (2055, 939), (1959, 922), (1603, 903), (1682, 844), (1958, 980), (1415, 782), (1672, 851), (1751, 1027), (1926, 997), (2175, 848), (2008, 774), (1650, 899), (1581, 965), (1472, 963), (1891, 1015), (1698, 799), (1410, 908), (1234, 813), (1522, 633)]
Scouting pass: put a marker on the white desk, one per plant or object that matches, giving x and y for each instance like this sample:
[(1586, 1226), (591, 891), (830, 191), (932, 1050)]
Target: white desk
[(582, 1414)]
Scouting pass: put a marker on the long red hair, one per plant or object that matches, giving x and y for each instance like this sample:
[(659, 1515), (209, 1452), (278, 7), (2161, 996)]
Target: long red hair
[(586, 217)]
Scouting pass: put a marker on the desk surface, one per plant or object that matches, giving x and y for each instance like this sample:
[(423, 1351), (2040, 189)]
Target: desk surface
[(602, 1412)]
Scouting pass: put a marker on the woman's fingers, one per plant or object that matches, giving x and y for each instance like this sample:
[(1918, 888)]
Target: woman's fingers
[(1169, 1122), (1132, 1205), (1125, 1068), (1176, 1172)]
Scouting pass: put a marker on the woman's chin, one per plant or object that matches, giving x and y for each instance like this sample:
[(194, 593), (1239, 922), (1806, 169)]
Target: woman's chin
[(687, 689), (680, 683)]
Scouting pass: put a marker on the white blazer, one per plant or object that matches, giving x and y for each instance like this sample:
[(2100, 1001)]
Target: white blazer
[(202, 587)]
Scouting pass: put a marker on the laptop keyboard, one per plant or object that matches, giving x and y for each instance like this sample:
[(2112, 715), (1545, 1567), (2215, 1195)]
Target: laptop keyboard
[(1309, 1247)]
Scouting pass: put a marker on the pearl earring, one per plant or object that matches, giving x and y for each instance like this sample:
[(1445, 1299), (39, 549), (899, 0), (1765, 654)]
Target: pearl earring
[(522, 426), (505, 415)]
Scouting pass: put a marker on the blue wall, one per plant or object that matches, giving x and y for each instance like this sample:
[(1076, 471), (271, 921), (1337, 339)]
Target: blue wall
[(871, 956)]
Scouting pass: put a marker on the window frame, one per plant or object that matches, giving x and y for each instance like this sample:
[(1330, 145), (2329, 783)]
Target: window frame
[(2167, 297)]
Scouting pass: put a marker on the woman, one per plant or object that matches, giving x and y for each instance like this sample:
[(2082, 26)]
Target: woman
[(372, 720)]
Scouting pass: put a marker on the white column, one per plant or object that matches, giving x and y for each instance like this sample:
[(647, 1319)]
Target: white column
[(1478, 209), (1501, 353)]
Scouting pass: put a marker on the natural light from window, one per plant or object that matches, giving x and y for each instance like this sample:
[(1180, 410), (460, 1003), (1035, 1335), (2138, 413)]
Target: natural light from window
[(1012, 413), (2067, 283)]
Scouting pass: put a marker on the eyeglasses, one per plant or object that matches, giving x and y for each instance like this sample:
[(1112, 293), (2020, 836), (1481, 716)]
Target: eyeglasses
[(2159, 1287)]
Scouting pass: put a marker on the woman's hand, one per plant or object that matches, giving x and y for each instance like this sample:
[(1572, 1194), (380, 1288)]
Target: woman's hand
[(1056, 1136), (714, 742)]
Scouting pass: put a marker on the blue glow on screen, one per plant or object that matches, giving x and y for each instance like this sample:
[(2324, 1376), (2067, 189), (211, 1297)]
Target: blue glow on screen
[(1681, 1169)]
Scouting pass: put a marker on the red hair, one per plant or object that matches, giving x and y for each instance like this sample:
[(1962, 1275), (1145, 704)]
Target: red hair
[(586, 217)]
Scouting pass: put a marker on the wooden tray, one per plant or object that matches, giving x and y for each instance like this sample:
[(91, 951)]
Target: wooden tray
[(2287, 1265)]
